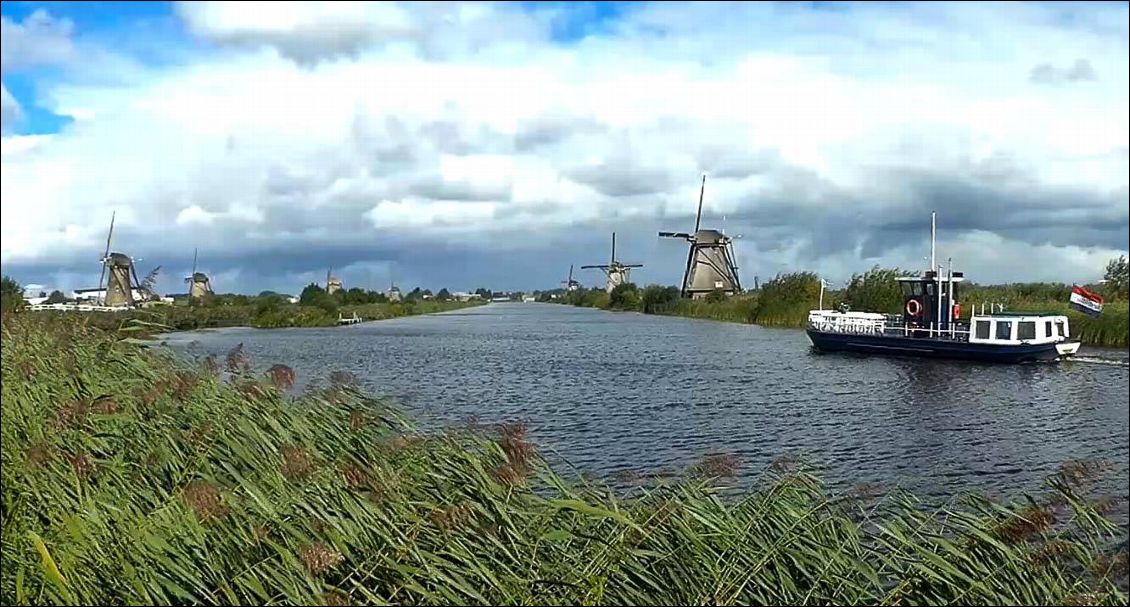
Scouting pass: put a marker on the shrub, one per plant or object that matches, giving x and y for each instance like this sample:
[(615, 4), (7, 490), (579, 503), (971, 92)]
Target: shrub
[(624, 297)]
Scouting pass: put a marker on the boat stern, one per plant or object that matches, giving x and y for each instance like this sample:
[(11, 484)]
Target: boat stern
[(1067, 348)]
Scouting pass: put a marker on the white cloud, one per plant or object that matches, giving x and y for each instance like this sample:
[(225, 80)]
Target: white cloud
[(349, 130), (39, 39), (10, 110)]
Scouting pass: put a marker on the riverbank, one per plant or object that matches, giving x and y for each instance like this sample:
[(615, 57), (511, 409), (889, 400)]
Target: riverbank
[(130, 477), (163, 318), (786, 300)]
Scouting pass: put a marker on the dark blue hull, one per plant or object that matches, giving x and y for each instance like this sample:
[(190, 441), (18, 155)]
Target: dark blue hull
[(897, 345)]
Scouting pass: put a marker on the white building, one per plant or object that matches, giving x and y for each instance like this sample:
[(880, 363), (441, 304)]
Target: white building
[(91, 295)]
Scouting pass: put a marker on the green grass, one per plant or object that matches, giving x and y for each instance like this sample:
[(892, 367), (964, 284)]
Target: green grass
[(130, 478)]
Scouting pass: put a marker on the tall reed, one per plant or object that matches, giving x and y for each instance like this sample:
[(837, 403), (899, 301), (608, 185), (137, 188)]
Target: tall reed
[(128, 477)]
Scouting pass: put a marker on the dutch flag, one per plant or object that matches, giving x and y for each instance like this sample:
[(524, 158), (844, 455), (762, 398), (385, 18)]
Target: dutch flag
[(1087, 302)]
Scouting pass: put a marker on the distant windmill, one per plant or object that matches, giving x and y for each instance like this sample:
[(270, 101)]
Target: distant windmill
[(570, 284), (333, 283), (710, 262), (393, 290), (118, 285), (616, 272), (199, 287)]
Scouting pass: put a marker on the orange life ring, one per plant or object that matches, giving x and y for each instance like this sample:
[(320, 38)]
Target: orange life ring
[(957, 310), (915, 309)]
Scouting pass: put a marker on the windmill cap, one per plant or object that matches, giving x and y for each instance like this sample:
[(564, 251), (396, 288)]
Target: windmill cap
[(709, 236), (119, 259)]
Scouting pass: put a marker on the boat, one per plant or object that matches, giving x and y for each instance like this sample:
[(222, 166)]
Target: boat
[(932, 325)]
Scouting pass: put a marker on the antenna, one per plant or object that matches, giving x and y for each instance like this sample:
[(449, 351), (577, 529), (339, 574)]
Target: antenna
[(102, 275), (701, 193), (933, 236)]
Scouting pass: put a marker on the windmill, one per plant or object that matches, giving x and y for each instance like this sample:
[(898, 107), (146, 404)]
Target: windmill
[(710, 262), (393, 290), (617, 272), (118, 285), (570, 284), (199, 287), (333, 283)]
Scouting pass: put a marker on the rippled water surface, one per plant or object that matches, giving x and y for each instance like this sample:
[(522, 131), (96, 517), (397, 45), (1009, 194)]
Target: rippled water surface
[(611, 392)]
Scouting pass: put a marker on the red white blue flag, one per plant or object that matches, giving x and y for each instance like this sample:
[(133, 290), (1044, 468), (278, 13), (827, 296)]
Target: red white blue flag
[(1087, 302)]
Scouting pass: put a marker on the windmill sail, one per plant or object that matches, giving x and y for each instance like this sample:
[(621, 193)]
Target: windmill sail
[(106, 255)]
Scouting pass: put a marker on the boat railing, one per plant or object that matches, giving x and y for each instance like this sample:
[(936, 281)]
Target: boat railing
[(863, 323), (75, 307), (956, 330)]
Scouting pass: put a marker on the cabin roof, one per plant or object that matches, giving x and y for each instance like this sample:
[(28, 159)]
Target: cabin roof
[(1032, 314)]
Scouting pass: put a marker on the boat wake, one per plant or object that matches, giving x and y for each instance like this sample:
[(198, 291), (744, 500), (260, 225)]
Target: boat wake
[(1095, 360)]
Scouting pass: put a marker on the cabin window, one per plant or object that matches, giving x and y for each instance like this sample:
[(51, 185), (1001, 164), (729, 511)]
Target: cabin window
[(982, 329), (1048, 330), (1062, 328), (930, 289), (916, 288), (1026, 330), (1004, 329)]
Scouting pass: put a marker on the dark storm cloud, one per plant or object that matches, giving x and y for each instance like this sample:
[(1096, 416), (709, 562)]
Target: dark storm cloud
[(433, 186), (389, 144), (789, 213), (798, 209), (552, 128), (452, 137), (727, 161), (622, 177), (1046, 73)]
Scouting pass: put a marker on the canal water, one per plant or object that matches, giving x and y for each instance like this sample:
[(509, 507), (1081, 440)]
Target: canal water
[(611, 393)]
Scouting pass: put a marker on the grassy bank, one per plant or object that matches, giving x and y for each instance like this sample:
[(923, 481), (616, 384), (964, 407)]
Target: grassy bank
[(184, 318), (786, 300), (128, 478)]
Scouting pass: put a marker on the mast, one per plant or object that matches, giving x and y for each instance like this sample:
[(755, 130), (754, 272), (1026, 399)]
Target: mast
[(949, 292), (933, 232), (934, 268)]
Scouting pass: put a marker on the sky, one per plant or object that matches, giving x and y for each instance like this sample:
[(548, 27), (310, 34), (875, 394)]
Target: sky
[(466, 145)]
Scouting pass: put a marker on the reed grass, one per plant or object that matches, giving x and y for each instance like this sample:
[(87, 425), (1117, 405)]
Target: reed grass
[(128, 477), (184, 318)]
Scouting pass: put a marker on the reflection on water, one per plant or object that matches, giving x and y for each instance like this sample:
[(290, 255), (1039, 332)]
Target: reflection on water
[(609, 392)]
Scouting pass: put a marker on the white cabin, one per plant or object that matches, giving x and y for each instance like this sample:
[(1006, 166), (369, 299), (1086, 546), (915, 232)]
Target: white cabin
[(1016, 329)]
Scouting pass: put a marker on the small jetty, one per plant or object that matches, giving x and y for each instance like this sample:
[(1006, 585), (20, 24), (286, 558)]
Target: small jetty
[(349, 320)]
